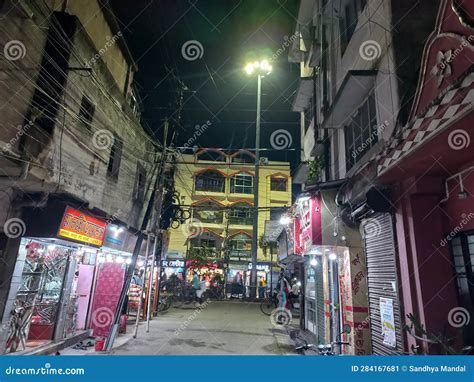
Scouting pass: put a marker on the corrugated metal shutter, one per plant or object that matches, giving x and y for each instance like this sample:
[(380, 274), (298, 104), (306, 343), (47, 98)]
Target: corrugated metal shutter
[(381, 274)]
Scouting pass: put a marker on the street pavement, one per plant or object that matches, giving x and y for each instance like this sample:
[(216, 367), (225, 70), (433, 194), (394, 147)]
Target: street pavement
[(215, 328)]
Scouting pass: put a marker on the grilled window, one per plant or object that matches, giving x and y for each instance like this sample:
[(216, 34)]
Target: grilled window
[(241, 184), (210, 181), (361, 133), (241, 214)]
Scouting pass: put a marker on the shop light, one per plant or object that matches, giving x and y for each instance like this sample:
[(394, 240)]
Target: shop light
[(313, 262), (332, 256), (128, 261), (51, 247), (303, 199), (140, 263), (101, 259), (109, 258), (285, 220), (327, 250), (119, 259)]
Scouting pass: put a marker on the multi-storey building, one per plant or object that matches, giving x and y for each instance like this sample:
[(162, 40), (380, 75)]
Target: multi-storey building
[(218, 189), (76, 167), (362, 115)]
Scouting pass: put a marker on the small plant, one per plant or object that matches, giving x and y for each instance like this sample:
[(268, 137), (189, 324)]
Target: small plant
[(315, 168), (445, 343)]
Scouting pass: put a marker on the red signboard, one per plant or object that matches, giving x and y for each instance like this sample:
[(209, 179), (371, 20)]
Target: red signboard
[(310, 227), (78, 226)]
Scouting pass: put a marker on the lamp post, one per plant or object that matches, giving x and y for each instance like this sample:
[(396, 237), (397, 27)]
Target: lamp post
[(261, 69)]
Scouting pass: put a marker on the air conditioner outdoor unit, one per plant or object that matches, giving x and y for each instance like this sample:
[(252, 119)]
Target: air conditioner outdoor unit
[(264, 161)]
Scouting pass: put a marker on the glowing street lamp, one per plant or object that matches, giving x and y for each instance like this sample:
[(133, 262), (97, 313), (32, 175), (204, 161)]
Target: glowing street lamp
[(261, 69)]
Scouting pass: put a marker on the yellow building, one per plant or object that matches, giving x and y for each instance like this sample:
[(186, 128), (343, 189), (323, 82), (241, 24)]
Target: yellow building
[(217, 189)]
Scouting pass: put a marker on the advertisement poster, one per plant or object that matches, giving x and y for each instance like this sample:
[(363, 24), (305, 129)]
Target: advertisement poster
[(388, 322)]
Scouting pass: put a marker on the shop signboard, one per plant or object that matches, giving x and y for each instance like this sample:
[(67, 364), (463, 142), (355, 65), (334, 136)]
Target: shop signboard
[(265, 267), (310, 227), (172, 263), (80, 227), (388, 322)]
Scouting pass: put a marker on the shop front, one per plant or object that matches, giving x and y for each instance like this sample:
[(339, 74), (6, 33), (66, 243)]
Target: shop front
[(55, 271), (334, 276), (68, 276)]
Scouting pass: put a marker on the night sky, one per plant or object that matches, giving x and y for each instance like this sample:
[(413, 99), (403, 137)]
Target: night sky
[(216, 87)]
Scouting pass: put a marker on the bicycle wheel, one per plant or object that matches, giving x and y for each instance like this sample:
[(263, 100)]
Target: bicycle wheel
[(267, 306)]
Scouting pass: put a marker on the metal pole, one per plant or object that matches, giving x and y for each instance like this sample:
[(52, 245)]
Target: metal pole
[(271, 271), (253, 275), (152, 271), (135, 330)]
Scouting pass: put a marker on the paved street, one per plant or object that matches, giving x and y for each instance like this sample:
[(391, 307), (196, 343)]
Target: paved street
[(231, 328)]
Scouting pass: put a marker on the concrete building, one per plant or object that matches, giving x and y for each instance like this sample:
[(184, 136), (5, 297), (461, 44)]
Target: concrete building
[(217, 188), (72, 147), (360, 61)]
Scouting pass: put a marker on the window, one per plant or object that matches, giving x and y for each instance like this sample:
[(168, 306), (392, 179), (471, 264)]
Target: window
[(140, 183), (462, 249), (278, 184), (206, 240), (211, 155), (208, 212), (361, 133), (203, 242), (240, 246), (348, 23), (275, 213), (113, 167), (241, 214), (86, 112), (243, 158), (210, 181), (241, 184)]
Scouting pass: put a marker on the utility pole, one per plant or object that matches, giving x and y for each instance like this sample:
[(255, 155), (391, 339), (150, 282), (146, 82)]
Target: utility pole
[(158, 185), (253, 275)]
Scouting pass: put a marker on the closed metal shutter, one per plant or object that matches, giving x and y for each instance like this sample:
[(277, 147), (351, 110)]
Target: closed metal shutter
[(382, 278)]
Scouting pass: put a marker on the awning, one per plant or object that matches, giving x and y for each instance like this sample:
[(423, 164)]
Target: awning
[(304, 25), (354, 89), (304, 93)]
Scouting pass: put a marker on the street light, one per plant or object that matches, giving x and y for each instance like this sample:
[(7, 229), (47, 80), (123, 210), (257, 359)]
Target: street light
[(261, 69), (285, 220)]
